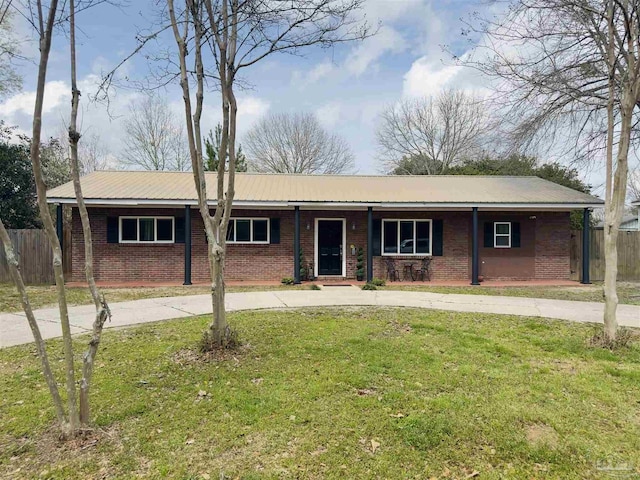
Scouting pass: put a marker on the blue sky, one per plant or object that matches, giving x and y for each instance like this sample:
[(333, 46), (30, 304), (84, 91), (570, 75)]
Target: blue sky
[(346, 86)]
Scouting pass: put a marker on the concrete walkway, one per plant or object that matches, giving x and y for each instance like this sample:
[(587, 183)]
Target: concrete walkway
[(14, 329)]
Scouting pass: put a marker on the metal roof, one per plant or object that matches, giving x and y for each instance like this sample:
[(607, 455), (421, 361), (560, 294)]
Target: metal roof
[(114, 187)]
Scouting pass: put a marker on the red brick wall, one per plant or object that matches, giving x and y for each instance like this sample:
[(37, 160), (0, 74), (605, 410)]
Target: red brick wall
[(544, 253)]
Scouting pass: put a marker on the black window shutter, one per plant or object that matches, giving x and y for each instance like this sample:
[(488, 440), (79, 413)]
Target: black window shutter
[(488, 235), (178, 223), (515, 234), (437, 238), (112, 229), (377, 238), (275, 230)]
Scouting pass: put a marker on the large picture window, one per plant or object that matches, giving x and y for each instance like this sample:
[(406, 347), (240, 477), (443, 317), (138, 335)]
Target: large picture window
[(146, 230), (248, 230), (502, 235), (406, 237)]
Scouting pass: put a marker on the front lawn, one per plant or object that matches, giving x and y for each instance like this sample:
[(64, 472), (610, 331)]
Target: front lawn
[(337, 393)]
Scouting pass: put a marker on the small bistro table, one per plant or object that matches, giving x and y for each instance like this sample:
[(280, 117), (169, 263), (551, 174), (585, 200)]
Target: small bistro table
[(408, 271)]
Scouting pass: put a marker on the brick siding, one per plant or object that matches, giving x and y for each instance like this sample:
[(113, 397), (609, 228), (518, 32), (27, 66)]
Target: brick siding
[(544, 253)]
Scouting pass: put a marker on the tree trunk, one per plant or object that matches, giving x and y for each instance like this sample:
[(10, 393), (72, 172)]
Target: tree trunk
[(613, 216), (45, 217), (102, 311), (12, 262)]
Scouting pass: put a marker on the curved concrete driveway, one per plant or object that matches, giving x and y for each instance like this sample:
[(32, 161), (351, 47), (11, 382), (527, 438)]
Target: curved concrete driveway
[(14, 329)]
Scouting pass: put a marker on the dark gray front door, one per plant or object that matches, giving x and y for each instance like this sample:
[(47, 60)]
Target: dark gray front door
[(329, 247)]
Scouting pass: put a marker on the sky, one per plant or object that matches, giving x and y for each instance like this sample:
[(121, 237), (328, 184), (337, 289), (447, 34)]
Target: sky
[(346, 86)]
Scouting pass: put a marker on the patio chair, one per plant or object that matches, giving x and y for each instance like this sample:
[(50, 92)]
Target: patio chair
[(393, 274), (424, 272)]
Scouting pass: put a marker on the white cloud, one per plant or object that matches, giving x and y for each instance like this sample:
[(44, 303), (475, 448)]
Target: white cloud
[(252, 106), (329, 114), (56, 93), (320, 71), (387, 40)]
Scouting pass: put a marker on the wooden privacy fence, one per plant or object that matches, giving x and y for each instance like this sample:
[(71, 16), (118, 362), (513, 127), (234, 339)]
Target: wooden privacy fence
[(35, 256), (628, 255)]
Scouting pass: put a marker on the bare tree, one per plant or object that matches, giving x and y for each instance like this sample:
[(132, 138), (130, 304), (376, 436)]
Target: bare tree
[(10, 81), (76, 418), (428, 135), (571, 70), (153, 140), (93, 154), (237, 35), (296, 143)]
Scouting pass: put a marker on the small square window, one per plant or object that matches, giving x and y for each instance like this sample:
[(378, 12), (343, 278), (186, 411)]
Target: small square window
[(502, 241), (243, 230), (231, 230), (502, 229), (422, 235), (165, 229), (129, 229), (147, 230), (390, 237), (259, 230)]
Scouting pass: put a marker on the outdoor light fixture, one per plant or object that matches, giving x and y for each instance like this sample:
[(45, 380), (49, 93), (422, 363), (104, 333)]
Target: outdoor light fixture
[(532, 217), (308, 226), (353, 226)]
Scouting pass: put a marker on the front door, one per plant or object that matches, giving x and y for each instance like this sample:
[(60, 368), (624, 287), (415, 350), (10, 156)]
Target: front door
[(330, 247)]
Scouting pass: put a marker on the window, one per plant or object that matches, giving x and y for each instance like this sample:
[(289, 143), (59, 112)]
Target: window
[(248, 230), (406, 237), (146, 230), (502, 235)]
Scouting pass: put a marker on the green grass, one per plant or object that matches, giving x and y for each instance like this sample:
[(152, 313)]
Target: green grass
[(46, 295), (628, 293), (314, 392)]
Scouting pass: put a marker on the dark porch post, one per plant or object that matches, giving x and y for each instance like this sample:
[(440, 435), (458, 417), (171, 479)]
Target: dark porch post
[(59, 226), (296, 246), (369, 244), (585, 246), (187, 245), (474, 249)]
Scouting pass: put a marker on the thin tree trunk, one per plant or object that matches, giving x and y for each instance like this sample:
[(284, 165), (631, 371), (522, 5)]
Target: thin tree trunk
[(45, 217), (610, 239), (12, 262), (102, 312), (614, 217)]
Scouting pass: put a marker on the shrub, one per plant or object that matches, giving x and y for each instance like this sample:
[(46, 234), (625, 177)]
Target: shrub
[(378, 282), (360, 263), (287, 281), (313, 286), (369, 286)]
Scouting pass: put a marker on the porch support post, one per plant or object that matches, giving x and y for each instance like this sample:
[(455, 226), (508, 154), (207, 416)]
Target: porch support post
[(369, 244), (585, 246), (296, 245), (187, 245), (475, 264), (59, 226)]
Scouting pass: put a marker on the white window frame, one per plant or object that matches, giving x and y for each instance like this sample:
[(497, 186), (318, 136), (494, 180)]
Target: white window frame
[(251, 241), (496, 234), (415, 232), (155, 229)]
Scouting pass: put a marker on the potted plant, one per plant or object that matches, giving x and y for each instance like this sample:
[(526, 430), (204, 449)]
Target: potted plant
[(360, 264)]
